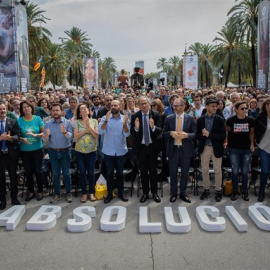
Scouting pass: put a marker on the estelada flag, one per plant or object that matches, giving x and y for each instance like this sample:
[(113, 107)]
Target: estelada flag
[(43, 73), (37, 64)]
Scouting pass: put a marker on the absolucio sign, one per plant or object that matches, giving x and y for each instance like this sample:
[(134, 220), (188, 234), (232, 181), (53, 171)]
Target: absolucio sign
[(208, 217)]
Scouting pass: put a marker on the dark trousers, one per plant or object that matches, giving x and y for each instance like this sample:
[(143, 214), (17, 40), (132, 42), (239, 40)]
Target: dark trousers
[(147, 158), (32, 163), (116, 163), (177, 157), (11, 166)]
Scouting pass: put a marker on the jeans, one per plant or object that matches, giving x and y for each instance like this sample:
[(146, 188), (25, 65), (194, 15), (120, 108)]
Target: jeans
[(86, 162), (265, 167), (115, 163), (32, 162), (60, 160), (239, 158)]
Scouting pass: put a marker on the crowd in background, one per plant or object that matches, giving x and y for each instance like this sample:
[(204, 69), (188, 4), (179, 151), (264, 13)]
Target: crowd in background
[(87, 112)]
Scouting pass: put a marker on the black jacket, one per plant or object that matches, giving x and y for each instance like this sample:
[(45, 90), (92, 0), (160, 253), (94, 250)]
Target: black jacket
[(217, 135), (260, 126)]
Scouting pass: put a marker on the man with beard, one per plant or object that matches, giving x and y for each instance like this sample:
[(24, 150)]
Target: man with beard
[(102, 112), (96, 107), (9, 155), (59, 132), (115, 128)]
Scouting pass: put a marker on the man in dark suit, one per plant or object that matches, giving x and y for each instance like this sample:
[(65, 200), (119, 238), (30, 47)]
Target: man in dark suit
[(211, 135), (9, 155), (96, 107), (145, 129), (180, 130)]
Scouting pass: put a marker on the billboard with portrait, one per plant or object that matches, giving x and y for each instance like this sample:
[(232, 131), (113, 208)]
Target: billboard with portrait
[(90, 72)]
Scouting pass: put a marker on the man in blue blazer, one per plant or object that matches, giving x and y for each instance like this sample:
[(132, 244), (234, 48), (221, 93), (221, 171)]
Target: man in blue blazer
[(180, 130)]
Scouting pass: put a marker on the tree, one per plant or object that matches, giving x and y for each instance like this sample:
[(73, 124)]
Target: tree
[(162, 64), (229, 49), (106, 69), (244, 18), (174, 68)]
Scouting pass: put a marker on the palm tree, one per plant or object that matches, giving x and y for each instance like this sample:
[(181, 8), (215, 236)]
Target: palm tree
[(76, 47), (55, 63), (174, 68), (106, 69), (229, 49), (162, 64), (37, 45), (244, 17)]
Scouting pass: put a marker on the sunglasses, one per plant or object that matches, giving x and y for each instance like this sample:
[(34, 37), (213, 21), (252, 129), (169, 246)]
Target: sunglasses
[(242, 109), (153, 105)]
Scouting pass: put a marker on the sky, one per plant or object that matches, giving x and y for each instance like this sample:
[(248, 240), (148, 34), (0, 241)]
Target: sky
[(135, 30)]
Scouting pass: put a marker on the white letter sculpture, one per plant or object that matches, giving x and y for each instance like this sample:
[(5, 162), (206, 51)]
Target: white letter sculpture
[(44, 218), (113, 226), (82, 219), (185, 223), (206, 224), (12, 217), (236, 219), (260, 214), (145, 226)]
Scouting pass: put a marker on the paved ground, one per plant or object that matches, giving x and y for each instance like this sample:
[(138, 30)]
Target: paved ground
[(128, 249)]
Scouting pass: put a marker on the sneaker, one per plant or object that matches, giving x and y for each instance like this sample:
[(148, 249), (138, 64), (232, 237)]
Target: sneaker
[(218, 196), (69, 198), (206, 194), (245, 196), (234, 196), (56, 198)]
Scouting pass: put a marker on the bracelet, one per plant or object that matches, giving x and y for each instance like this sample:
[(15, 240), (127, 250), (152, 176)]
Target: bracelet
[(106, 121), (65, 133)]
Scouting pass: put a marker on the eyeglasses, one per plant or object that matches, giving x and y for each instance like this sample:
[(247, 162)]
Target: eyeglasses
[(153, 105), (178, 105), (242, 109)]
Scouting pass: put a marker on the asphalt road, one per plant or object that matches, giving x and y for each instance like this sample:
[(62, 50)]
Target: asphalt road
[(128, 249)]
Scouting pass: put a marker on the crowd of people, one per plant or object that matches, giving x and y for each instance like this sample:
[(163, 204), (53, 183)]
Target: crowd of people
[(103, 124)]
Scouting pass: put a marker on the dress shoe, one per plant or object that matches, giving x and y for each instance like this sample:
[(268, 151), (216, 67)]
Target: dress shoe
[(2, 205), (234, 196), (156, 198), (108, 198), (29, 197), (261, 197), (15, 201), (123, 197), (173, 198), (144, 198), (185, 198), (39, 196)]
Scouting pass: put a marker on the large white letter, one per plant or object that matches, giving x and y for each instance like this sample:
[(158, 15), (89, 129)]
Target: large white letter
[(185, 223), (113, 226), (236, 219), (44, 218), (12, 217), (260, 214), (82, 221), (211, 226), (145, 226)]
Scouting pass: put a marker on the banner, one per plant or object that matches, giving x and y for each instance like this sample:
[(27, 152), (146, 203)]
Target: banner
[(90, 71), (163, 78), (140, 64), (190, 71), (263, 45), (14, 59)]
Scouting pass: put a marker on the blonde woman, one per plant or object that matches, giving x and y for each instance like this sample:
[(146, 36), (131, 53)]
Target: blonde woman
[(86, 136)]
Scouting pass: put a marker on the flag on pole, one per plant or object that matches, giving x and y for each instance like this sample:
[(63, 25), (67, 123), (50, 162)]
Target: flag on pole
[(37, 64), (43, 73)]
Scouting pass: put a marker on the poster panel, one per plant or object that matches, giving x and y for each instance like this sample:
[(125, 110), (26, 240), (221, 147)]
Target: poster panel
[(90, 72)]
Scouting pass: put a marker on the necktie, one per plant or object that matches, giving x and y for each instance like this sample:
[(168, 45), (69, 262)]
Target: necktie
[(179, 128), (4, 145), (145, 130)]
